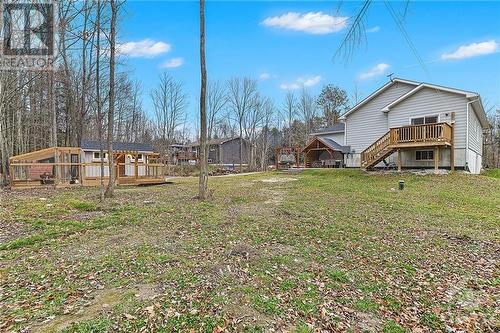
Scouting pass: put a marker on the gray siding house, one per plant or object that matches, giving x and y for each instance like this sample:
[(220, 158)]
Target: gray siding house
[(224, 150), (414, 125)]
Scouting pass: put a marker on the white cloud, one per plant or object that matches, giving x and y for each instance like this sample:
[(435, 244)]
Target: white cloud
[(301, 82), (373, 29), (147, 48), (312, 22), (264, 76), (173, 63), (472, 50), (375, 71)]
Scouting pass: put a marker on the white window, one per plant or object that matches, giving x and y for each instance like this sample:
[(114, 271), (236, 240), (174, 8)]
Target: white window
[(424, 155), (140, 158), (425, 120), (97, 155)]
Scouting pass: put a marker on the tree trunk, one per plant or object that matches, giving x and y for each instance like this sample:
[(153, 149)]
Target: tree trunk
[(98, 100), (111, 109), (203, 182)]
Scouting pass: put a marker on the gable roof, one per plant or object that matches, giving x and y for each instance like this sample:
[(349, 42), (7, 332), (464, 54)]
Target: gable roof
[(376, 93), (336, 128), (124, 146), (333, 145), (213, 141), (473, 98)]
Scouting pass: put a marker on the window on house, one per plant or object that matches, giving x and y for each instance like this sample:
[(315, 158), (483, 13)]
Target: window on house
[(139, 158), (424, 120), (424, 155), (97, 155)]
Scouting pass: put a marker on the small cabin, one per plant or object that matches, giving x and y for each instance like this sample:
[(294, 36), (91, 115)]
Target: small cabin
[(134, 163)]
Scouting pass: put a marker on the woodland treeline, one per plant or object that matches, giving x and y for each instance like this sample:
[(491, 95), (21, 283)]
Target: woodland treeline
[(91, 94)]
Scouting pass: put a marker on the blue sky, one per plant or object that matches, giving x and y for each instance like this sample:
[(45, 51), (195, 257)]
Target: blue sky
[(286, 45)]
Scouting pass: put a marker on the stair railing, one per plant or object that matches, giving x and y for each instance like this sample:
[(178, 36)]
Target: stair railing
[(370, 154)]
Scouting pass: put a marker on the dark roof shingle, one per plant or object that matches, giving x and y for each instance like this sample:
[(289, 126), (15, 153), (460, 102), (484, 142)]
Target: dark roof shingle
[(338, 127), (123, 146)]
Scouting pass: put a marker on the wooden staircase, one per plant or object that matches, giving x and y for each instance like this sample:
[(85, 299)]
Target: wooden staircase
[(407, 137), (377, 151)]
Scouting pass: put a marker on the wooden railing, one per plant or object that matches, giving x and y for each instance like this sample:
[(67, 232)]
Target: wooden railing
[(439, 132), (375, 148), (407, 136)]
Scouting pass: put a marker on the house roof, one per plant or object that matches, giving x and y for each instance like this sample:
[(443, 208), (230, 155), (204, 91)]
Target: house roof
[(336, 128), (212, 142), (378, 92), (124, 146), (473, 97), (333, 145)]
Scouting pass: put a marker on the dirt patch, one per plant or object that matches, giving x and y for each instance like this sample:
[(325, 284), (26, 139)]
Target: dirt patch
[(246, 316), (102, 302), (367, 322), (10, 231), (277, 180), (242, 251)]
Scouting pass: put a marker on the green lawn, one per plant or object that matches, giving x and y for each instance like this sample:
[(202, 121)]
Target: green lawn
[(337, 250)]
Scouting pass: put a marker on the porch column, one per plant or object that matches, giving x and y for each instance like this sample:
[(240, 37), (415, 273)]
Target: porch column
[(452, 149), (399, 160), (436, 160), (136, 167)]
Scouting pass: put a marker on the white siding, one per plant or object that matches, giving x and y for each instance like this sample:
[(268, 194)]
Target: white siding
[(368, 123), (433, 102), (475, 133), (95, 170)]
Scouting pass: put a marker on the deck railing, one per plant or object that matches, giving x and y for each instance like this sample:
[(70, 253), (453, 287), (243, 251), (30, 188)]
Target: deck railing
[(369, 153), (439, 132), (407, 136)]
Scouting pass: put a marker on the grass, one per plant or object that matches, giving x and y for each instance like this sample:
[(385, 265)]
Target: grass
[(332, 249), (495, 173)]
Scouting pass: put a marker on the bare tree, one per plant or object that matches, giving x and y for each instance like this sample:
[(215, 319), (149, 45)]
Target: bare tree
[(264, 142), (290, 111), (203, 183), (98, 99), (242, 94), (307, 109), (111, 109), (170, 102), (216, 101)]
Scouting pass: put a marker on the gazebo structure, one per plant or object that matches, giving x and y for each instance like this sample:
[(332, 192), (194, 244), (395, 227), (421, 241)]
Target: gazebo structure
[(323, 152)]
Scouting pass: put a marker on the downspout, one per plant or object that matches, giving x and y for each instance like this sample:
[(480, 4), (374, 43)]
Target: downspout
[(467, 136)]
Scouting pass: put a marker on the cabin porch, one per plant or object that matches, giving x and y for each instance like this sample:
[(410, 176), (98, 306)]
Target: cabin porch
[(66, 166)]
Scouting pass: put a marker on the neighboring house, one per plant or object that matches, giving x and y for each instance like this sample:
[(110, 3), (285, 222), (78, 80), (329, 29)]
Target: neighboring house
[(224, 151), (415, 125)]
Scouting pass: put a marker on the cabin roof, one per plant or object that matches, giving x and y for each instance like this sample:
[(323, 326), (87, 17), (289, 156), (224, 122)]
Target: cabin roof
[(335, 128), (332, 144), (124, 146), (212, 142)]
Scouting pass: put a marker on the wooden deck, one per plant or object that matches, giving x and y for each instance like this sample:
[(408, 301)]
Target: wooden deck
[(409, 137), (63, 167)]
